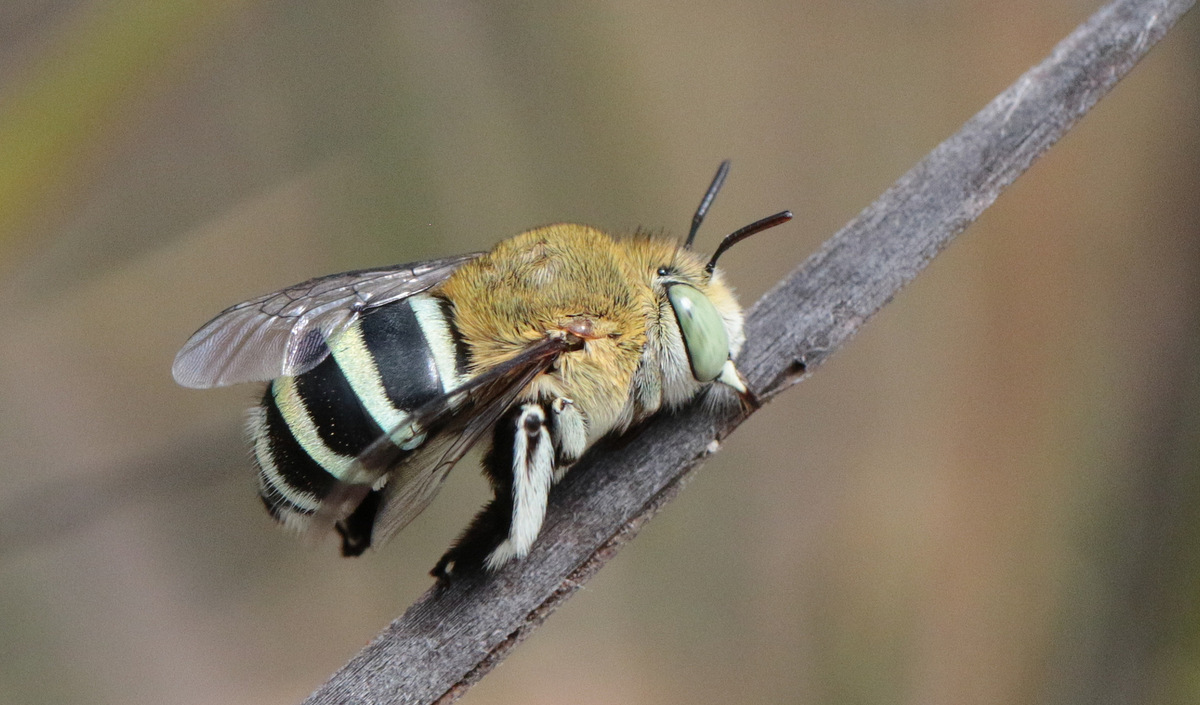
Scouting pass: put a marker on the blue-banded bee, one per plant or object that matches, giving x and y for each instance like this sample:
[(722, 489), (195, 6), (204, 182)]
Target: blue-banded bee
[(381, 380)]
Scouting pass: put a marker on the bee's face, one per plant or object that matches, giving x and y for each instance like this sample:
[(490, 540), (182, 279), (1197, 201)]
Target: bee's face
[(696, 326)]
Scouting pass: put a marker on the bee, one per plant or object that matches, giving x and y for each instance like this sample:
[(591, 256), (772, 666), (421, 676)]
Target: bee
[(379, 381)]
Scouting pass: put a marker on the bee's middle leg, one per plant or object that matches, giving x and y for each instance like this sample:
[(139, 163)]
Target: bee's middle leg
[(521, 467)]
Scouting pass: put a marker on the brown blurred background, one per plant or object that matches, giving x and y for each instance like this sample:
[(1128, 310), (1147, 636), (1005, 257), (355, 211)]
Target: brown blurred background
[(990, 496)]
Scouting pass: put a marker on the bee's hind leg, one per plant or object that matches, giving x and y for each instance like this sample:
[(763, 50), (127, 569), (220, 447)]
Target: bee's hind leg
[(520, 466), (356, 529)]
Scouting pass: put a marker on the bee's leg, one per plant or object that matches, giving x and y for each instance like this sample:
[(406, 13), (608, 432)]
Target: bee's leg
[(569, 430), (356, 528), (521, 468), (532, 473)]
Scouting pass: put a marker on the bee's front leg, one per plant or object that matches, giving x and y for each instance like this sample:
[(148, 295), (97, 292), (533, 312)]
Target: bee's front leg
[(521, 467)]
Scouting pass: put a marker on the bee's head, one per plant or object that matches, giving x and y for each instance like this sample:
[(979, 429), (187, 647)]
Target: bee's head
[(695, 329), (699, 330)]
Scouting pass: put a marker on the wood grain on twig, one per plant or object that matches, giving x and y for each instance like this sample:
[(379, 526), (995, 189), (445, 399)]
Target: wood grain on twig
[(448, 640)]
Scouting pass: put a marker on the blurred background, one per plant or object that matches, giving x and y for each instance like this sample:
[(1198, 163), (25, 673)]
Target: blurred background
[(990, 496)]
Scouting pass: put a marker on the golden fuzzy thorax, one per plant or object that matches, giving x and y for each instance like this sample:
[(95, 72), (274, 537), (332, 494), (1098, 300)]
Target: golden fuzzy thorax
[(575, 278)]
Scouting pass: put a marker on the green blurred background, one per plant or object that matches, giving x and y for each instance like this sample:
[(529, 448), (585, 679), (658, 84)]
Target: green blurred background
[(990, 496)]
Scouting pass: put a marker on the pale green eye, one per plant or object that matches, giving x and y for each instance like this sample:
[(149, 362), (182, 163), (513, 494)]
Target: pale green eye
[(703, 331)]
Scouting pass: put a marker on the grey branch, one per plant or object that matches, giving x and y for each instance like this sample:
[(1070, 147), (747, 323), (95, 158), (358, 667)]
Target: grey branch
[(448, 640)]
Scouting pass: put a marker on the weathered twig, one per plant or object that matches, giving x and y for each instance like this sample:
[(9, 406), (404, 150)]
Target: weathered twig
[(448, 640)]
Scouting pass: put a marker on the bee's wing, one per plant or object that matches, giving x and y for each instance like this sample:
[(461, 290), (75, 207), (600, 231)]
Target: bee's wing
[(453, 422), (284, 333)]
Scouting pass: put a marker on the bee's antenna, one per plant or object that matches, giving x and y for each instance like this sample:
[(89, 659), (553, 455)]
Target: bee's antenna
[(742, 233), (722, 172)]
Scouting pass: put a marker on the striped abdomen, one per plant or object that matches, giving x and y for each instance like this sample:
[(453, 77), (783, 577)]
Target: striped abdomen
[(309, 428)]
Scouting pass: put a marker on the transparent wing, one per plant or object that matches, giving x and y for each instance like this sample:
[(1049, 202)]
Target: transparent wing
[(453, 423), (283, 333)]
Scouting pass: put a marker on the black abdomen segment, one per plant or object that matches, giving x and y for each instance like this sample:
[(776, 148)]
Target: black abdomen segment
[(309, 428)]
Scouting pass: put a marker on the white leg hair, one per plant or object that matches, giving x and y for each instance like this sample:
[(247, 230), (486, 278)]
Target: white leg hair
[(533, 471), (570, 434)]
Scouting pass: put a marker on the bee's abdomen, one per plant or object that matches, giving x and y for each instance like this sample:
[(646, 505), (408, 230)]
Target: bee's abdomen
[(309, 428)]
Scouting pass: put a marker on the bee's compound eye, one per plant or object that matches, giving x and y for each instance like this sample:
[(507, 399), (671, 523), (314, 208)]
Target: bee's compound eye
[(703, 331)]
